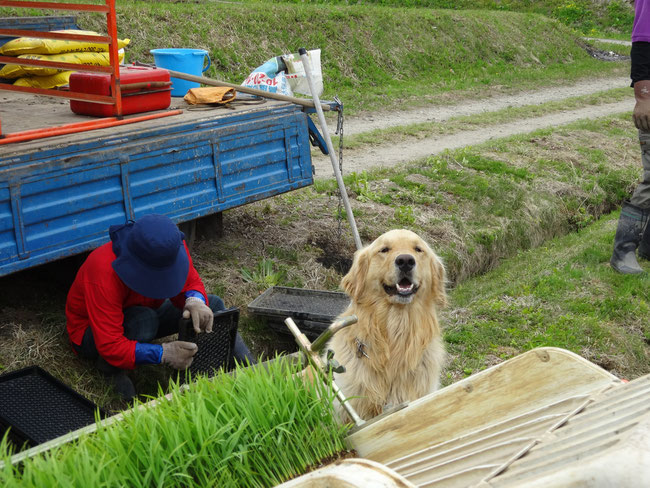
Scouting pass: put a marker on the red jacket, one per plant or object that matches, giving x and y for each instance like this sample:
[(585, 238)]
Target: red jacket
[(97, 299)]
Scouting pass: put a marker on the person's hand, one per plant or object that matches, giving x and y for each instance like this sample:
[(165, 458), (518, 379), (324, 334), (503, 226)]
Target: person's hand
[(641, 113), (202, 316), (179, 354)]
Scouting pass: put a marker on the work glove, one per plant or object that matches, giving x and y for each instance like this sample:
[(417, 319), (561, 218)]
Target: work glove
[(179, 354), (641, 113), (202, 316)]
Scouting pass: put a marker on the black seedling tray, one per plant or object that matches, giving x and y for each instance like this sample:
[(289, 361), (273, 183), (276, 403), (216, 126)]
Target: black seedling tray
[(36, 407), (312, 310), (216, 348)]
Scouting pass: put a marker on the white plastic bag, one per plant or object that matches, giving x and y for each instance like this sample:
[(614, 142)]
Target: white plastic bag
[(270, 77), (286, 75), (296, 72)]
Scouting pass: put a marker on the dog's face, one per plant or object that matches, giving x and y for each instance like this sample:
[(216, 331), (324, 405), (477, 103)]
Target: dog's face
[(398, 267)]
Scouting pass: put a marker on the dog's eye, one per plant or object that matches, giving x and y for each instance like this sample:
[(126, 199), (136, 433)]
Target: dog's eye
[(418, 249), (384, 250)]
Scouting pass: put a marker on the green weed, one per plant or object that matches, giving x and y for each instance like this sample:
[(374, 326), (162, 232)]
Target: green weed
[(287, 255), (360, 185), (574, 14), (619, 15), (404, 215), (265, 275)]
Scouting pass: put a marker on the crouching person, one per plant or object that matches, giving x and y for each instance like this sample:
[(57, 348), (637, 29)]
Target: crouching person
[(133, 290)]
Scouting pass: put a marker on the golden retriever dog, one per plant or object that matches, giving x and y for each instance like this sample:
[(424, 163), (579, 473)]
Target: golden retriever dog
[(394, 353)]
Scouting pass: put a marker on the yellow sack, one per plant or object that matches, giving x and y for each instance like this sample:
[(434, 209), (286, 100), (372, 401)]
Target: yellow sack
[(210, 94), (12, 71), (33, 45), (51, 81)]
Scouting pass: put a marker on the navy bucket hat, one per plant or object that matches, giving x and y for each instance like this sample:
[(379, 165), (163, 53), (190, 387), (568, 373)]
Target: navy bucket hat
[(150, 256)]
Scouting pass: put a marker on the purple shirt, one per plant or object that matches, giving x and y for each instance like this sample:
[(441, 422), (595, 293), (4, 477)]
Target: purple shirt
[(641, 28)]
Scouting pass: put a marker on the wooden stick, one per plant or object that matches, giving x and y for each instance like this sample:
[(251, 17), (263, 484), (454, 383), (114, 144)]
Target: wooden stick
[(315, 360), (305, 102)]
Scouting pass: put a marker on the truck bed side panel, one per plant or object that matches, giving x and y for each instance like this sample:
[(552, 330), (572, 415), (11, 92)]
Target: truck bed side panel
[(61, 201)]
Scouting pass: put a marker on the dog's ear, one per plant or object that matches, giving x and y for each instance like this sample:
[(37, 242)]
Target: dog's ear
[(439, 284), (353, 283)]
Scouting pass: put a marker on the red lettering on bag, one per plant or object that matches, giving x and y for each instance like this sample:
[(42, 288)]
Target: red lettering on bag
[(258, 78)]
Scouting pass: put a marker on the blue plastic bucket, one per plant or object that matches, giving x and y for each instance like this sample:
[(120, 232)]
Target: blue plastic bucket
[(188, 61)]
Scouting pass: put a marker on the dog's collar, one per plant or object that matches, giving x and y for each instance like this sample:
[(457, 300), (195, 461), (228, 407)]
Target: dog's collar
[(361, 348)]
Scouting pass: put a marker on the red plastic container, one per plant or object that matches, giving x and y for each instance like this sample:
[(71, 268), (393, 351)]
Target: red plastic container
[(134, 100)]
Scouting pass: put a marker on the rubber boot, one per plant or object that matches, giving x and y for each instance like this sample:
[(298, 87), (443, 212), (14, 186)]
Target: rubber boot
[(644, 247), (121, 382), (631, 226)]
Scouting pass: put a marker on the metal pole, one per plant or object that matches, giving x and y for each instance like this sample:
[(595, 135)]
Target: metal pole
[(326, 134)]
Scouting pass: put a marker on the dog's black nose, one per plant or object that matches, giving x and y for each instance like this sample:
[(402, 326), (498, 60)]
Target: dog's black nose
[(405, 262)]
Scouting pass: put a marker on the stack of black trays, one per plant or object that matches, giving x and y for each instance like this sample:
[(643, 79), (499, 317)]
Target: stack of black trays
[(312, 310)]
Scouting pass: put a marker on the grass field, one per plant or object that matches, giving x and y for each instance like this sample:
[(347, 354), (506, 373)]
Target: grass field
[(373, 57), (609, 19), (563, 294), (547, 194), (380, 55)]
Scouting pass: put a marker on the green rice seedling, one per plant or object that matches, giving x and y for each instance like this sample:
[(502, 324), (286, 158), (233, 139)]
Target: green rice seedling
[(257, 428)]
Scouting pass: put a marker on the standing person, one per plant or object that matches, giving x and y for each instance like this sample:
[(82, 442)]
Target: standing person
[(633, 230), (134, 289)]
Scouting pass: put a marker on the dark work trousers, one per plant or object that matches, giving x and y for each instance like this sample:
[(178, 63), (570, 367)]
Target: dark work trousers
[(144, 324), (641, 195)]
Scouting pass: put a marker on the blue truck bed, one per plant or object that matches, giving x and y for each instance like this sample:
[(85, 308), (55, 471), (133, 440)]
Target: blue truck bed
[(59, 195)]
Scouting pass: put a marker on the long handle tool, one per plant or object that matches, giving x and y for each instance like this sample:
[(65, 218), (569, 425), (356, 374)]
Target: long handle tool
[(244, 89), (314, 359), (326, 134)]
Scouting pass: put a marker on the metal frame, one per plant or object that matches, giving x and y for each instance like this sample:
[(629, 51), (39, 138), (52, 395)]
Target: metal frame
[(108, 8)]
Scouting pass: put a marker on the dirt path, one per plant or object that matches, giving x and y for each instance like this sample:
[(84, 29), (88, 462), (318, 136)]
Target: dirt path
[(611, 41), (389, 155)]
